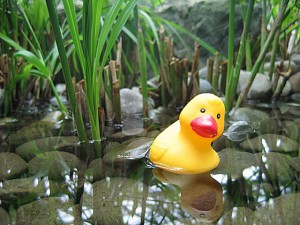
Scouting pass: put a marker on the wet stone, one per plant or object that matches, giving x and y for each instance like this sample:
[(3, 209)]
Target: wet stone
[(56, 165), (32, 148), (25, 190), (129, 151), (11, 166), (270, 142), (48, 211), (5, 218), (238, 131), (110, 197), (248, 115), (233, 162), (127, 134), (97, 170)]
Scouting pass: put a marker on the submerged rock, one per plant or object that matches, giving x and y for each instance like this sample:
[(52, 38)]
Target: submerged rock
[(109, 197), (56, 165), (270, 142), (128, 152), (5, 218), (53, 210), (233, 162), (32, 148), (238, 131), (11, 166), (248, 115), (25, 190)]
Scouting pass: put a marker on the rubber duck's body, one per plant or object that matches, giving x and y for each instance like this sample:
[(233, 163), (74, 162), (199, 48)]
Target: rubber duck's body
[(185, 146)]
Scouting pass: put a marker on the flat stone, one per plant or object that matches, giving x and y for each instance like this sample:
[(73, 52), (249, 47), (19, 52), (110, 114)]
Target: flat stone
[(56, 165), (52, 210), (11, 166), (24, 190), (32, 148), (271, 142)]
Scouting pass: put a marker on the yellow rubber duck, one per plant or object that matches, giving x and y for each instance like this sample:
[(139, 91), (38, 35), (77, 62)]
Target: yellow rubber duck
[(185, 146)]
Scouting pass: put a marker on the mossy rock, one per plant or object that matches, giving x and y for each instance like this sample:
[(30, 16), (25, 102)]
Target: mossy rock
[(11, 166)]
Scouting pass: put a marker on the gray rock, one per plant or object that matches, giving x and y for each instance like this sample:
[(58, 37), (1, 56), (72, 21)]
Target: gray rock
[(205, 86), (63, 99), (287, 88), (131, 101), (296, 97), (52, 210), (5, 218), (12, 166), (249, 115), (270, 142), (261, 86), (61, 88), (296, 59), (286, 65), (238, 131), (295, 82), (203, 73)]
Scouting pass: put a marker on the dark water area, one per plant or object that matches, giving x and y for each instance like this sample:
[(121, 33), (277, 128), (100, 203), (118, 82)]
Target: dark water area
[(48, 177)]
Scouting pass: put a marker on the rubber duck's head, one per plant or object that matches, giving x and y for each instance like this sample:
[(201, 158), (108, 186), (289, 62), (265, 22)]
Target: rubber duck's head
[(203, 116)]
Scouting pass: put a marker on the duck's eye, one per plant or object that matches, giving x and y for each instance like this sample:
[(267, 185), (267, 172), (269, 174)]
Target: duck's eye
[(202, 110), (218, 116)]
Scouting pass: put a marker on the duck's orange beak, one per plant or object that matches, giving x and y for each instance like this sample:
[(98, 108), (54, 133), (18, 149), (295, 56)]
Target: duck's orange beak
[(205, 126)]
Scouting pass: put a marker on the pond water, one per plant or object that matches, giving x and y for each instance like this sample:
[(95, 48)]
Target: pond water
[(46, 177)]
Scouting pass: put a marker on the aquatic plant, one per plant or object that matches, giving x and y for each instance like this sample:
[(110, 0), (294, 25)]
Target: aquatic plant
[(98, 38)]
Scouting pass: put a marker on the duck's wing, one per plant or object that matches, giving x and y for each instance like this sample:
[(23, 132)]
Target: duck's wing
[(158, 149)]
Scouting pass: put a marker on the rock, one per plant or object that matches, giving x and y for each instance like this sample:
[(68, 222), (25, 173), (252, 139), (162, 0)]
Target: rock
[(257, 120), (32, 148), (286, 65), (131, 101), (296, 58), (238, 131), (25, 190), (56, 165), (98, 170), (5, 218), (63, 99), (109, 197), (128, 152), (296, 97), (270, 142), (248, 115), (295, 82), (163, 116), (260, 88), (12, 166), (52, 210), (205, 86), (233, 162), (203, 73), (36, 130), (61, 88), (286, 89)]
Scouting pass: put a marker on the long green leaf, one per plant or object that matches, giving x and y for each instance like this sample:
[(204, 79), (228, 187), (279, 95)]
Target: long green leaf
[(11, 42), (35, 61)]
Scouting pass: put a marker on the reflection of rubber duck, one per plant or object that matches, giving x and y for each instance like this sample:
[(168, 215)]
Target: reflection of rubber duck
[(185, 146), (201, 195)]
